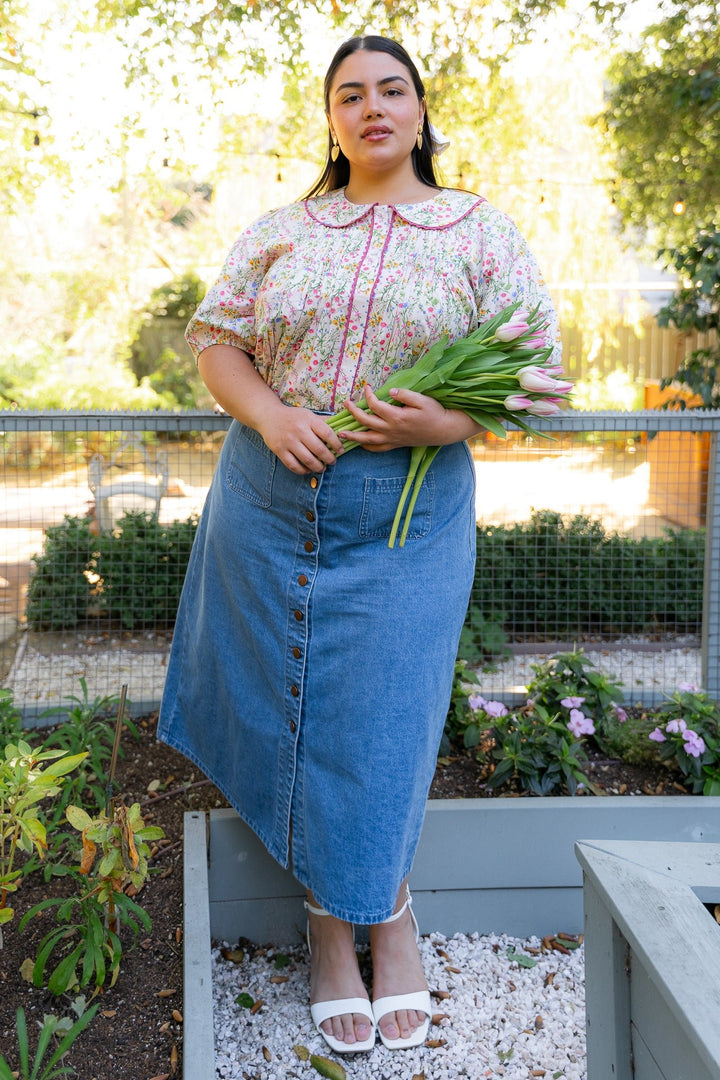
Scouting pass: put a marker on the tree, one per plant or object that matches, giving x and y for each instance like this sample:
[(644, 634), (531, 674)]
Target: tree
[(696, 307), (663, 115)]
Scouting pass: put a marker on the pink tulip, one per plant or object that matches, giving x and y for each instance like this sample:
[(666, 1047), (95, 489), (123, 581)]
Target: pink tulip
[(553, 369), (543, 407), (515, 402), (516, 326), (535, 341), (536, 378)]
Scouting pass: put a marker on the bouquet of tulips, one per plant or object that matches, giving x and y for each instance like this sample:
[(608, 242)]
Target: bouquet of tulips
[(499, 372)]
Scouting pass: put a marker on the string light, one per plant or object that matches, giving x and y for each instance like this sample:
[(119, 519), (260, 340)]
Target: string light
[(679, 206)]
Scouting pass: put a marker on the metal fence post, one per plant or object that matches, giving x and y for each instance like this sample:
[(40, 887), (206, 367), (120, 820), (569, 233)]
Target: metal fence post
[(710, 645)]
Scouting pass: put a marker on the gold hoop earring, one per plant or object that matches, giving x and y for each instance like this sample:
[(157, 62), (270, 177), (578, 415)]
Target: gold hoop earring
[(334, 149), (419, 138)]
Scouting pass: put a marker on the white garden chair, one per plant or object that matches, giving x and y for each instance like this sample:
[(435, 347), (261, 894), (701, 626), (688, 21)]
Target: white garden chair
[(119, 485)]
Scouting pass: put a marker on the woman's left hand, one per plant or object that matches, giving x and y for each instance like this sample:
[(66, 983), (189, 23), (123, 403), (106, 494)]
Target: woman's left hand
[(422, 421)]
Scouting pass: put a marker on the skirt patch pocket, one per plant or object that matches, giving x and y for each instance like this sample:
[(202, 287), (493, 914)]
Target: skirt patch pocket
[(251, 467), (380, 502)]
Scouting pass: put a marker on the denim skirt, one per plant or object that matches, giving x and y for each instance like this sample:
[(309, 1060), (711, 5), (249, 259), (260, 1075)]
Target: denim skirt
[(312, 665)]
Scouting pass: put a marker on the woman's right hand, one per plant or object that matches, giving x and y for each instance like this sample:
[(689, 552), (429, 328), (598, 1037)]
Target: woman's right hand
[(302, 440)]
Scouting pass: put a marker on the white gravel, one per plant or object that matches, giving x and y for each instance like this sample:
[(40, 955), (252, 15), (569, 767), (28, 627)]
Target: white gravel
[(499, 1019), (42, 679)]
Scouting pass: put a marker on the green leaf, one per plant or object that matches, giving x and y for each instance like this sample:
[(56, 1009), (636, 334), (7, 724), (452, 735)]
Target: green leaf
[(245, 1001)]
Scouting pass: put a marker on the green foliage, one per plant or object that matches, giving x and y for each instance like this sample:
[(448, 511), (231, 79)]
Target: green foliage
[(696, 306), (159, 352), (87, 726), (566, 577), (688, 735), (93, 943), (40, 1069), (10, 718), (465, 683), (24, 783), (132, 576), (531, 746), (572, 675), (663, 116)]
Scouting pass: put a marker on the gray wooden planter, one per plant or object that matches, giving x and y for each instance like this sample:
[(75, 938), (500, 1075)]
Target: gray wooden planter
[(504, 865), (652, 956)]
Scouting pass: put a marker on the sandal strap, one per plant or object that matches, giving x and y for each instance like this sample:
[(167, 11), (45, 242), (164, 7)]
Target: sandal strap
[(325, 1010), (313, 909), (407, 906), (419, 1001)]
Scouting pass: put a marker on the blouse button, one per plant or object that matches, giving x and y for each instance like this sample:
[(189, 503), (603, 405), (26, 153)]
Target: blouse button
[(313, 481), (294, 691), (296, 653), (299, 616), (292, 726), (310, 516), (302, 580), (309, 546)]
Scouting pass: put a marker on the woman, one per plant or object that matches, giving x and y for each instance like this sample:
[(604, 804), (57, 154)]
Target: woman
[(312, 665)]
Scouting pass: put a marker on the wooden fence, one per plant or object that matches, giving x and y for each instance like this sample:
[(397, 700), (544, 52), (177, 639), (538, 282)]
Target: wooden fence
[(650, 353)]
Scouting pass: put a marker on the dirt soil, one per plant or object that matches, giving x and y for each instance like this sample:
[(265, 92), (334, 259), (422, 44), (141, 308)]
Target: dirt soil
[(138, 1032)]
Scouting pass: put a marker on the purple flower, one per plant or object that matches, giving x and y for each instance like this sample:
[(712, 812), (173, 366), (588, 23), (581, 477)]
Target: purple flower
[(476, 702), (580, 724), (495, 708), (688, 686), (694, 744), (656, 735), (572, 702), (675, 726), (620, 713)]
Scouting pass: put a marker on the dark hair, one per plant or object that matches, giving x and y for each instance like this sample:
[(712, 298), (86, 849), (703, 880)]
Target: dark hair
[(336, 174)]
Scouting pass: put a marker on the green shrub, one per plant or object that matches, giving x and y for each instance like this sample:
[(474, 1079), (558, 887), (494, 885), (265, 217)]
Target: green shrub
[(559, 578), (131, 576)]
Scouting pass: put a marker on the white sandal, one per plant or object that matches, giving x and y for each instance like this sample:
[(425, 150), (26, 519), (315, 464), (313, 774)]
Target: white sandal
[(418, 1001), (325, 1010)]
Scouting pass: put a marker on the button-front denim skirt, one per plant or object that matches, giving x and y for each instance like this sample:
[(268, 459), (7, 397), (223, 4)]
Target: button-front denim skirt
[(312, 665)]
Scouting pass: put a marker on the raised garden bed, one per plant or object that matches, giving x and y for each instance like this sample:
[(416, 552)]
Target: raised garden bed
[(503, 864)]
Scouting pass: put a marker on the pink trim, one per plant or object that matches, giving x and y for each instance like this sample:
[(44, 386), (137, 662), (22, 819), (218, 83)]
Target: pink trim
[(408, 220), (345, 225), (350, 305), (447, 224), (372, 293)]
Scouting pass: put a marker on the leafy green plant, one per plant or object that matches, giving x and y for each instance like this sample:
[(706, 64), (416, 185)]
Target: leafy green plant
[(695, 307), (465, 683), (24, 783), (132, 575), (530, 745), (569, 682), (568, 576), (51, 1026), (92, 943), (10, 718), (688, 736), (87, 727)]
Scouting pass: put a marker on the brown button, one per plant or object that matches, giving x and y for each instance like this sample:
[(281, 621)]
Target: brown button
[(292, 726), (296, 653), (302, 580), (309, 515), (313, 481), (309, 546), (299, 616), (294, 691)]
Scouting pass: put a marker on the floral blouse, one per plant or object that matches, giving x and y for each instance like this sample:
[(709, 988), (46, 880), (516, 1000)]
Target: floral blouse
[(328, 295)]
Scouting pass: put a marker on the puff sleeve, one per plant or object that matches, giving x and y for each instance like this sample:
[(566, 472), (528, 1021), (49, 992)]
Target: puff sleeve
[(226, 316), (508, 273)]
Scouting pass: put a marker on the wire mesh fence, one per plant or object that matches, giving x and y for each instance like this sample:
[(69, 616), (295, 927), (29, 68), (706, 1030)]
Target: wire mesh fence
[(605, 537)]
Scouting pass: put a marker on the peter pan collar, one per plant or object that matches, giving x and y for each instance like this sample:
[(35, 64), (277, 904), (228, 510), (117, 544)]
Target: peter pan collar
[(443, 210)]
